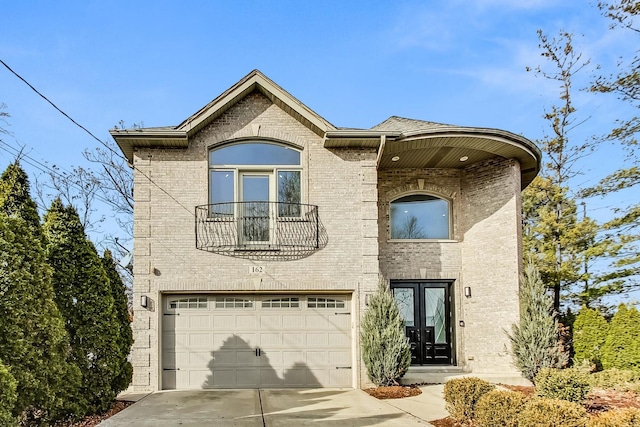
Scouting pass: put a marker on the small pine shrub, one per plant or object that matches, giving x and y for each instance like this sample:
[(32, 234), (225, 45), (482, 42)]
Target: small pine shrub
[(8, 396), (616, 379), (626, 417), (385, 347), (461, 396), (589, 333), (535, 341), (552, 413), (565, 384), (499, 408)]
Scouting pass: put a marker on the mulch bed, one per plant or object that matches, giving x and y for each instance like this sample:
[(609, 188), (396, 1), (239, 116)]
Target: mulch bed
[(394, 391), (94, 420)]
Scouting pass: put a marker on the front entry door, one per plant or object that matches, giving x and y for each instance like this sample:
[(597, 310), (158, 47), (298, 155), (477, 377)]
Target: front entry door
[(426, 309)]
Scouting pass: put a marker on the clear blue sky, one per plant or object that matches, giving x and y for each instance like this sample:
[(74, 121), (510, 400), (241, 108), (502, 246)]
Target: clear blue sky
[(353, 62)]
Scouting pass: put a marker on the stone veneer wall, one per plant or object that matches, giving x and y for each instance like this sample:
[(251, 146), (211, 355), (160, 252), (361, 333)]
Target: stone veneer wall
[(341, 182)]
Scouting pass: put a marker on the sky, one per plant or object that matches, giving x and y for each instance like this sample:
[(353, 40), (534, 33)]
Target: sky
[(154, 63)]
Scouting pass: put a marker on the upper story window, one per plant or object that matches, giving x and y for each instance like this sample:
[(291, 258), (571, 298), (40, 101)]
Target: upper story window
[(420, 216), (256, 182)]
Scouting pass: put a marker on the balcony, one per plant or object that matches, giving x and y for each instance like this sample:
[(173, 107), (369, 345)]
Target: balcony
[(260, 230)]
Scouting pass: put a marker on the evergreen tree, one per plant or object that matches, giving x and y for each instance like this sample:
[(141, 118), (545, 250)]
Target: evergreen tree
[(83, 294), (589, 333), (15, 196), (124, 334), (385, 348), (622, 347), (33, 341), (8, 396), (535, 343)]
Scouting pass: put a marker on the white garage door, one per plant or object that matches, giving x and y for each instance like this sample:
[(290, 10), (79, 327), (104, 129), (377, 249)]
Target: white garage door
[(251, 341)]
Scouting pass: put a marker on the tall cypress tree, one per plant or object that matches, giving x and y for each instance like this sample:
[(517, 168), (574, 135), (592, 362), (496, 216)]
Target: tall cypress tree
[(83, 295), (124, 334), (33, 342)]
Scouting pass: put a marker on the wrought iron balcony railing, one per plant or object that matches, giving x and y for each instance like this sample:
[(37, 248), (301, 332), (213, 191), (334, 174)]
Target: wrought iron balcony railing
[(261, 230)]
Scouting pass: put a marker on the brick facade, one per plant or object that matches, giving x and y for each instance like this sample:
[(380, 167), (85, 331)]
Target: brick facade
[(353, 197)]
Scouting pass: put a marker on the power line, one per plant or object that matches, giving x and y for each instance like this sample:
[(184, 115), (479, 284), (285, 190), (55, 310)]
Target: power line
[(116, 153)]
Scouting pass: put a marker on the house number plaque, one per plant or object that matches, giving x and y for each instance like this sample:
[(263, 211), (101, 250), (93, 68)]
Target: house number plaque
[(257, 269)]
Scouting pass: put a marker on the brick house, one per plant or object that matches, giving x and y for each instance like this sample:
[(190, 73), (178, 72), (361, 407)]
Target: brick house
[(261, 230)]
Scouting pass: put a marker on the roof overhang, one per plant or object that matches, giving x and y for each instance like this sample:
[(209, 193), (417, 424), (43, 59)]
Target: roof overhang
[(130, 139), (443, 147)]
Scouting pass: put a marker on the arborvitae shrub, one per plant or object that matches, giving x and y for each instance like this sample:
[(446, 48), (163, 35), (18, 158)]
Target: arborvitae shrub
[(625, 417), (543, 412), (566, 384), (462, 394), (83, 294), (124, 334), (616, 379), (385, 348), (499, 408), (589, 333), (8, 396), (622, 347), (534, 340)]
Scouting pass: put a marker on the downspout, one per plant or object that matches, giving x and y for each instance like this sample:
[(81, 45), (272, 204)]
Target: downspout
[(383, 142)]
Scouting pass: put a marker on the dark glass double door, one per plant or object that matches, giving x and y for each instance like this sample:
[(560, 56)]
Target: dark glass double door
[(426, 309)]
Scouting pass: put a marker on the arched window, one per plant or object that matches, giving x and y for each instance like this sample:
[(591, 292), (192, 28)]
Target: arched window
[(257, 182), (420, 216), (256, 172)]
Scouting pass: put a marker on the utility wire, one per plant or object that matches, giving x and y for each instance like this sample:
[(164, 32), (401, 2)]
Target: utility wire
[(117, 154)]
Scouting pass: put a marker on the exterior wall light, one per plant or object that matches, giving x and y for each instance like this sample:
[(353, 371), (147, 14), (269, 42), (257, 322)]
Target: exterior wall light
[(467, 292), (366, 299), (143, 301)]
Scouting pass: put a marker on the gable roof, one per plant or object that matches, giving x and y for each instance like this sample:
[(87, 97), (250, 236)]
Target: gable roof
[(178, 136)]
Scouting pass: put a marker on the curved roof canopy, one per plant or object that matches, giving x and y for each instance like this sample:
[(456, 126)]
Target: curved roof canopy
[(401, 142)]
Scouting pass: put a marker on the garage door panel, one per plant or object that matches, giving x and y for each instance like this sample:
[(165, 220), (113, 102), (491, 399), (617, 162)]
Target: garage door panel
[(317, 339), (224, 322), (339, 358), (247, 342), (198, 340), (294, 321), (293, 340), (269, 377), (245, 321), (201, 321)]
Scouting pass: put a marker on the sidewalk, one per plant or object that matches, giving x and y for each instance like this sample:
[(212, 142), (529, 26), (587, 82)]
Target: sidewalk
[(427, 406)]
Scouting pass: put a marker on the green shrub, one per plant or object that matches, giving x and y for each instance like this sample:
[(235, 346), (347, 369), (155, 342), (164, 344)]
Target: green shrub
[(462, 394), (589, 334), (566, 384), (552, 413), (535, 342), (622, 347), (8, 396), (499, 408), (385, 348), (616, 379), (627, 417)]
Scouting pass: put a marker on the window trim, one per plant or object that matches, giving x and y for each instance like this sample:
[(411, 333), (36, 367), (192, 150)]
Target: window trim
[(449, 201)]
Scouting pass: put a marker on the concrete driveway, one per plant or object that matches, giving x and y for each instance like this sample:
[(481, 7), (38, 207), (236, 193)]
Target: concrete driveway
[(317, 407)]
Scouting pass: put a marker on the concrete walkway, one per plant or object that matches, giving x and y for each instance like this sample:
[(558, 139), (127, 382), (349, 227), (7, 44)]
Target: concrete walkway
[(280, 407)]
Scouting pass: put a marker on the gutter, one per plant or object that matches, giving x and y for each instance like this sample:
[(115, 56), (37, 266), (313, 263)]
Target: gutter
[(383, 142)]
